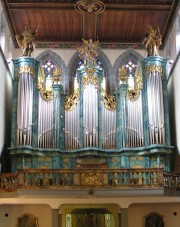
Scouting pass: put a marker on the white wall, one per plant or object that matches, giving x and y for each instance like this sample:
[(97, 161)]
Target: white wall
[(9, 214), (174, 104), (169, 211)]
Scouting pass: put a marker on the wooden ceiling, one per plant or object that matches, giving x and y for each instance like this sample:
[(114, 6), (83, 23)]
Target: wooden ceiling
[(122, 24)]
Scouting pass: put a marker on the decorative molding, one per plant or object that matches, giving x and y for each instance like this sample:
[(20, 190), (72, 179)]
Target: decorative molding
[(76, 45), (89, 6), (91, 179)]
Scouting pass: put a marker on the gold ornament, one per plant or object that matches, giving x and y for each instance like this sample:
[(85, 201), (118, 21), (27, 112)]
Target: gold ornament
[(56, 75), (91, 179), (133, 94), (71, 101), (109, 102), (123, 75), (47, 95), (25, 69), (153, 68)]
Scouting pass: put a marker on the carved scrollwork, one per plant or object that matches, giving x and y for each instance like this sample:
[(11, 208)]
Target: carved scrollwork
[(153, 68), (71, 101), (90, 79), (91, 179), (25, 69), (46, 94), (109, 102), (133, 94)]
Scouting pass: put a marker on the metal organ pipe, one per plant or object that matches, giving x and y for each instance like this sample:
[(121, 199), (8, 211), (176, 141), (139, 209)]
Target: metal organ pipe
[(45, 123), (90, 113), (24, 109), (155, 107), (108, 127), (134, 125), (72, 128)]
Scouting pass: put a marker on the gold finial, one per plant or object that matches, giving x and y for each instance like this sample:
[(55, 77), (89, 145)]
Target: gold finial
[(56, 75), (123, 75)]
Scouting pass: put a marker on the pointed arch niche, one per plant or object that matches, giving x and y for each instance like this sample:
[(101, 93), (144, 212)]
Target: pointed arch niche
[(79, 215)]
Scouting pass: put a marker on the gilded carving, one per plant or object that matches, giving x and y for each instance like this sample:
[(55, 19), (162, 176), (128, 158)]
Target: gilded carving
[(46, 94), (90, 78), (123, 77), (26, 40), (153, 68), (133, 94), (91, 179), (152, 41), (71, 100), (25, 69), (109, 102), (57, 75), (89, 7), (88, 51)]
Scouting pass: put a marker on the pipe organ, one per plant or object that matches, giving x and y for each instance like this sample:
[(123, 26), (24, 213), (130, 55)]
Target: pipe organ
[(89, 122)]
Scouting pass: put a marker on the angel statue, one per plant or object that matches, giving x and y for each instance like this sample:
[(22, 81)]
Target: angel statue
[(152, 41), (88, 51), (26, 40)]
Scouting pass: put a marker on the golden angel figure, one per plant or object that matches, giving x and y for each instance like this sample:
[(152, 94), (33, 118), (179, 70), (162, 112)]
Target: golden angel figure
[(152, 41), (26, 40), (88, 51)]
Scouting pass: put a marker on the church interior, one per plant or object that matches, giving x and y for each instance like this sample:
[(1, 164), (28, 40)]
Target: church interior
[(89, 130)]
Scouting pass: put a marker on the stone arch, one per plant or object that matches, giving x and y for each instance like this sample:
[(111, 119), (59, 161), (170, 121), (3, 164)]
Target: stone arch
[(102, 57), (49, 54), (120, 61)]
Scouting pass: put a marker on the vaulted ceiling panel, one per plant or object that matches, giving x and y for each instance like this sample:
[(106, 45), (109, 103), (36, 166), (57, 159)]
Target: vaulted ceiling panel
[(122, 23)]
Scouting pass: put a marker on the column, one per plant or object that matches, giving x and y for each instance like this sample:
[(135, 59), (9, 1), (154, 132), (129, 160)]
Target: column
[(59, 117), (121, 115), (123, 217), (55, 218), (145, 106)]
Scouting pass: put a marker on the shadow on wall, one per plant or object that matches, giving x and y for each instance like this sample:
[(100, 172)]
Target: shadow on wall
[(5, 161)]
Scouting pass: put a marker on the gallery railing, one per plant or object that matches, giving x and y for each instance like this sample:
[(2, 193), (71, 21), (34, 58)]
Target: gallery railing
[(8, 182), (171, 182), (87, 178)]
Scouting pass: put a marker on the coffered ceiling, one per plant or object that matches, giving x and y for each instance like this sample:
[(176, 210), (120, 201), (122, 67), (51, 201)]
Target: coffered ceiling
[(123, 23)]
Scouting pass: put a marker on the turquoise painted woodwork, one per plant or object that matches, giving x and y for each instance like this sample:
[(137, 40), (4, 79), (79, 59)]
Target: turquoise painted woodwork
[(148, 156), (145, 106), (121, 115), (58, 116)]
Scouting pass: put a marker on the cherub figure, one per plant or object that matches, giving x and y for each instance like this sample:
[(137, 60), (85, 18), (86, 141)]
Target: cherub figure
[(152, 41), (26, 40), (88, 51)]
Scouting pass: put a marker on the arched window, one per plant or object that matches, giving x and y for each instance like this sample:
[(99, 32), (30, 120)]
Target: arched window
[(131, 66), (81, 65), (48, 66)]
